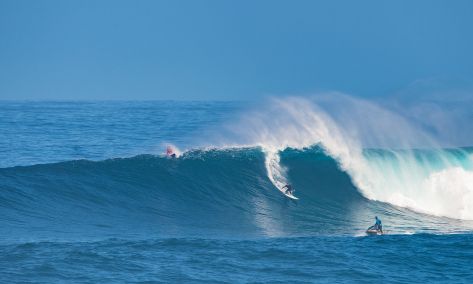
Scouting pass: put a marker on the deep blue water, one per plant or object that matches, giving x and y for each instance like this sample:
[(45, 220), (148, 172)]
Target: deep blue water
[(87, 196)]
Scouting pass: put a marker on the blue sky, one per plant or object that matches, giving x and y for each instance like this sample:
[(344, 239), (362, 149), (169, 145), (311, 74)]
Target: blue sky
[(226, 50)]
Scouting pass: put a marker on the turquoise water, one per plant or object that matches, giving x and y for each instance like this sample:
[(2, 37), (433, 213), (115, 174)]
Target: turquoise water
[(87, 196)]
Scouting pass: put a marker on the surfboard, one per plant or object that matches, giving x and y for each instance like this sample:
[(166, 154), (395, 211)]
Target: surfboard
[(291, 196)]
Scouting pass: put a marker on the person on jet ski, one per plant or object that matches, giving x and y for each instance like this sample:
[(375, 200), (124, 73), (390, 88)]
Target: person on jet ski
[(378, 226)]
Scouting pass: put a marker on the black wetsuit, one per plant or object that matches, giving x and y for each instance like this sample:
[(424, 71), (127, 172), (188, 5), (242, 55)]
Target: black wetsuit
[(289, 189)]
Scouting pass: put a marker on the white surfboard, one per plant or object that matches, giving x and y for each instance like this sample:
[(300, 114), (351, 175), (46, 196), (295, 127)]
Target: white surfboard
[(290, 196)]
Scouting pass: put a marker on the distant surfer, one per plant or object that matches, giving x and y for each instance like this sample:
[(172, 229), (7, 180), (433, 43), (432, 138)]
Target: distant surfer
[(289, 189), (170, 153), (378, 226)]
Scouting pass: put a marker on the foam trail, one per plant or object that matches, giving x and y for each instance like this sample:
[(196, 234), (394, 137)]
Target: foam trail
[(276, 172)]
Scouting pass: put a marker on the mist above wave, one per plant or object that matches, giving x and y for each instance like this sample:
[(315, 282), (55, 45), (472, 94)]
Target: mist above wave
[(344, 126)]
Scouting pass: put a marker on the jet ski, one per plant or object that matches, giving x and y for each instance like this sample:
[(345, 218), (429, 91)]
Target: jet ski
[(372, 231)]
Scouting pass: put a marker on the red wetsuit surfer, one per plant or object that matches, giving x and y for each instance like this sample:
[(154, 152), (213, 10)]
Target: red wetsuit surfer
[(170, 152)]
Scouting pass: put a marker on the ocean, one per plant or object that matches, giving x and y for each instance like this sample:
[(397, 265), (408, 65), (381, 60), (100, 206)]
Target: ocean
[(87, 194)]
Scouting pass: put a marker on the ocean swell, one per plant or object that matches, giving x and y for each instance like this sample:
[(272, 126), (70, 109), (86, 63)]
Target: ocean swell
[(215, 192)]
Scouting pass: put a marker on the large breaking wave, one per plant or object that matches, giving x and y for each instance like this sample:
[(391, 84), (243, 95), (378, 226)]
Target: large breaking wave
[(215, 192), (347, 159), (432, 180)]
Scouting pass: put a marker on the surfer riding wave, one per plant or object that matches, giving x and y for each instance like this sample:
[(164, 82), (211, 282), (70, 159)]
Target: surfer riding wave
[(289, 189)]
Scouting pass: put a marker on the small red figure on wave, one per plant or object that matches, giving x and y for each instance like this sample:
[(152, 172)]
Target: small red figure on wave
[(170, 152)]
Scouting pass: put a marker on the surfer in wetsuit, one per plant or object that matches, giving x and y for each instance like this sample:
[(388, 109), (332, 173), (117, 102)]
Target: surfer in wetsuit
[(289, 189)]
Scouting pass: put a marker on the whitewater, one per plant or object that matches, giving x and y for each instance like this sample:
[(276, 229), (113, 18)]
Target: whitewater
[(86, 185)]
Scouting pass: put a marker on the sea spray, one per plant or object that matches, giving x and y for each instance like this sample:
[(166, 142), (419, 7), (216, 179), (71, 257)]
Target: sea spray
[(344, 127)]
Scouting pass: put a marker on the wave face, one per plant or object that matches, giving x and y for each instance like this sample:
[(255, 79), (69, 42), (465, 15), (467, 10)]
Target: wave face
[(224, 193)]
